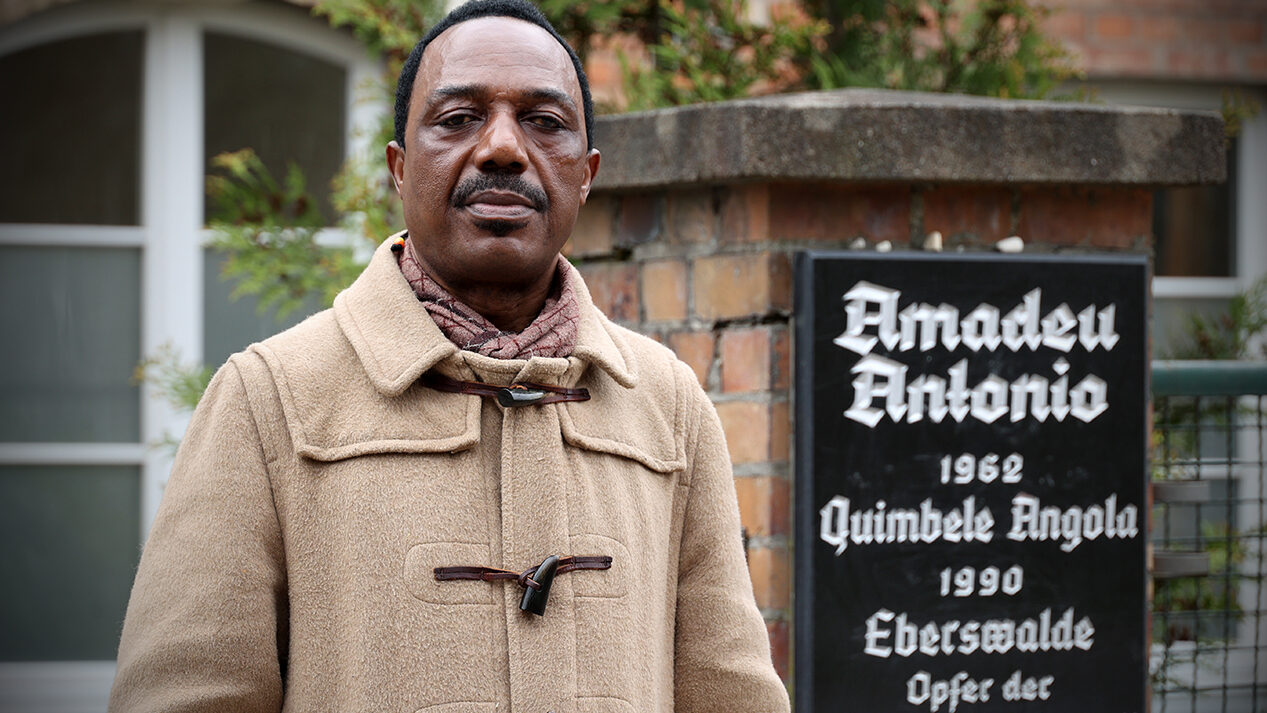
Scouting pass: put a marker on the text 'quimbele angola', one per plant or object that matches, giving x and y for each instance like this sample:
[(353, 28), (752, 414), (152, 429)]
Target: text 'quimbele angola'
[(842, 525), (882, 386)]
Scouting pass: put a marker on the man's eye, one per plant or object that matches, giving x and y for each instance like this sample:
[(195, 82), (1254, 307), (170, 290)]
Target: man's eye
[(545, 121), (456, 120)]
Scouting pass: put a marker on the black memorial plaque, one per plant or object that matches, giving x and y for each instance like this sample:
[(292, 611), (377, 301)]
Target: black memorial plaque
[(970, 495)]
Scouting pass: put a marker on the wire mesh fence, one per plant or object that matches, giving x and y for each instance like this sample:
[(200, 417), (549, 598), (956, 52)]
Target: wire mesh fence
[(1209, 519)]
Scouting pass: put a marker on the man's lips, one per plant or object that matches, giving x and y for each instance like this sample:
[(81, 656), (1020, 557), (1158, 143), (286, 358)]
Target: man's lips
[(499, 205)]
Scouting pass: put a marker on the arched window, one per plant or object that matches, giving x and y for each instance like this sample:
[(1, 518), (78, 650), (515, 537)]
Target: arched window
[(112, 114)]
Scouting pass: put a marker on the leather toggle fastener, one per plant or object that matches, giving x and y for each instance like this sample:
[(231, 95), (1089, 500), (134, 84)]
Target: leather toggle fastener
[(523, 394), (536, 581), (534, 600), (519, 395)]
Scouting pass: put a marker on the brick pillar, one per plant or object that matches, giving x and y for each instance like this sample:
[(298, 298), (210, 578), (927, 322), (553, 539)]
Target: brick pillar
[(690, 234), (670, 265)]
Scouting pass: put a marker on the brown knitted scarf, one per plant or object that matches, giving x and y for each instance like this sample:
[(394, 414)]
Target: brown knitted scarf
[(551, 334)]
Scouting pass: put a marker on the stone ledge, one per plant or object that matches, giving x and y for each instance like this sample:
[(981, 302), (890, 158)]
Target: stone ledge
[(870, 135)]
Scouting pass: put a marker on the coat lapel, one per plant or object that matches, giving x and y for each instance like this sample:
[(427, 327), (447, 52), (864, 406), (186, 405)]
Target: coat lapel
[(393, 336), (347, 383)]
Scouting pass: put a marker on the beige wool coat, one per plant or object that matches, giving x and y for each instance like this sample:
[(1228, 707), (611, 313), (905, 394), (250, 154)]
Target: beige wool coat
[(318, 486)]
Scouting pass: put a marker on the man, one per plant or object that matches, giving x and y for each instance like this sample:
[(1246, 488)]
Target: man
[(461, 489)]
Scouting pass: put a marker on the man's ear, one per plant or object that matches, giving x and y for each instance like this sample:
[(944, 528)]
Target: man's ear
[(396, 164), (591, 170)]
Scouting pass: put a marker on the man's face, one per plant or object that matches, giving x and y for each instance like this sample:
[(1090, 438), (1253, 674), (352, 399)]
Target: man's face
[(495, 165)]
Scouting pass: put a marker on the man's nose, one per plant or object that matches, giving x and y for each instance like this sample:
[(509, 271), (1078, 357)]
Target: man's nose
[(501, 145)]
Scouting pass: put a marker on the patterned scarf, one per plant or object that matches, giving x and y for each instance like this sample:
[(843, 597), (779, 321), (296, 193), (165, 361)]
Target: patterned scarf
[(551, 334)]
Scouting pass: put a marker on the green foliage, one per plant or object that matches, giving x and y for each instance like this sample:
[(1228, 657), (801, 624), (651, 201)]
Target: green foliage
[(267, 231), (1237, 109), (1238, 333), (388, 28), (1232, 334), (709, 51), (268, 228), (363, 196), (1190, 608), (985, 47), (245, 193), (581, 22), (176, 382), (1216, 592)]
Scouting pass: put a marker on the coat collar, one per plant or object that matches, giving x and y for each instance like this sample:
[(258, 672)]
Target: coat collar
[(638, 406), (396, 341), (333, 410)]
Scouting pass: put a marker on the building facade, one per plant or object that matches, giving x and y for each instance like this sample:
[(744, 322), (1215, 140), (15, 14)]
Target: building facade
[(1211, 242)]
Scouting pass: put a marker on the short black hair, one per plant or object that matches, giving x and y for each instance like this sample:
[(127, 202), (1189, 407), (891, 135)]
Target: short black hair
[(517, 9)]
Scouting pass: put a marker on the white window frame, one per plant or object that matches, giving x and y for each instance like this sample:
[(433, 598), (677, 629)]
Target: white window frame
[(170, 239), (1250, 229)]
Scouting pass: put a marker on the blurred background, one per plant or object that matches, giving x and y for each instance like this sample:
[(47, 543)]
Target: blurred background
[(184, 177)]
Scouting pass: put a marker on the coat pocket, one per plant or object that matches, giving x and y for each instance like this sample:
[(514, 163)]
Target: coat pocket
[(460, 707), (603, 704), (608, 584), (421, 561)]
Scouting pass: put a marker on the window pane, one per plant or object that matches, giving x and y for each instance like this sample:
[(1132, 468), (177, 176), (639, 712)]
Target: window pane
[(72, 320), (231, 325), (70, 135), (71, 549), (287, 106), (1193, 227)]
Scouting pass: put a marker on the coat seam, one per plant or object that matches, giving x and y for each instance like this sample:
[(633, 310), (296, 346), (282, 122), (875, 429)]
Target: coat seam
[(270, 481), (268, 463)]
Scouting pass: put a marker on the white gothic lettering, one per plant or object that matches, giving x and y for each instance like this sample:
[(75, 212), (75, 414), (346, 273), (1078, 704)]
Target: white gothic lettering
[(924, 327)]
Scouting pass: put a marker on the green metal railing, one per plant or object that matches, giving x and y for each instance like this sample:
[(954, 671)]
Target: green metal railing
[(1209, 627), (1209, 378)]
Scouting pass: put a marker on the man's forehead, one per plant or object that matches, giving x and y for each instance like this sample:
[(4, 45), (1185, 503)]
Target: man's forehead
[(497, 43)]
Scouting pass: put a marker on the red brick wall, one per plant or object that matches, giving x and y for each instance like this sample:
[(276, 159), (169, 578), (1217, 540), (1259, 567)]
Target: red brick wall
[(707, 271), (1204, 40)]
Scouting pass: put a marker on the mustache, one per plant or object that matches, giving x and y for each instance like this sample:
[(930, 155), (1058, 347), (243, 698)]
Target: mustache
[(511, 182)]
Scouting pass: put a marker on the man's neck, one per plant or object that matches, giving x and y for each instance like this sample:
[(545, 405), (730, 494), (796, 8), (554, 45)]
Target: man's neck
[(508, 310), (549, 317)]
